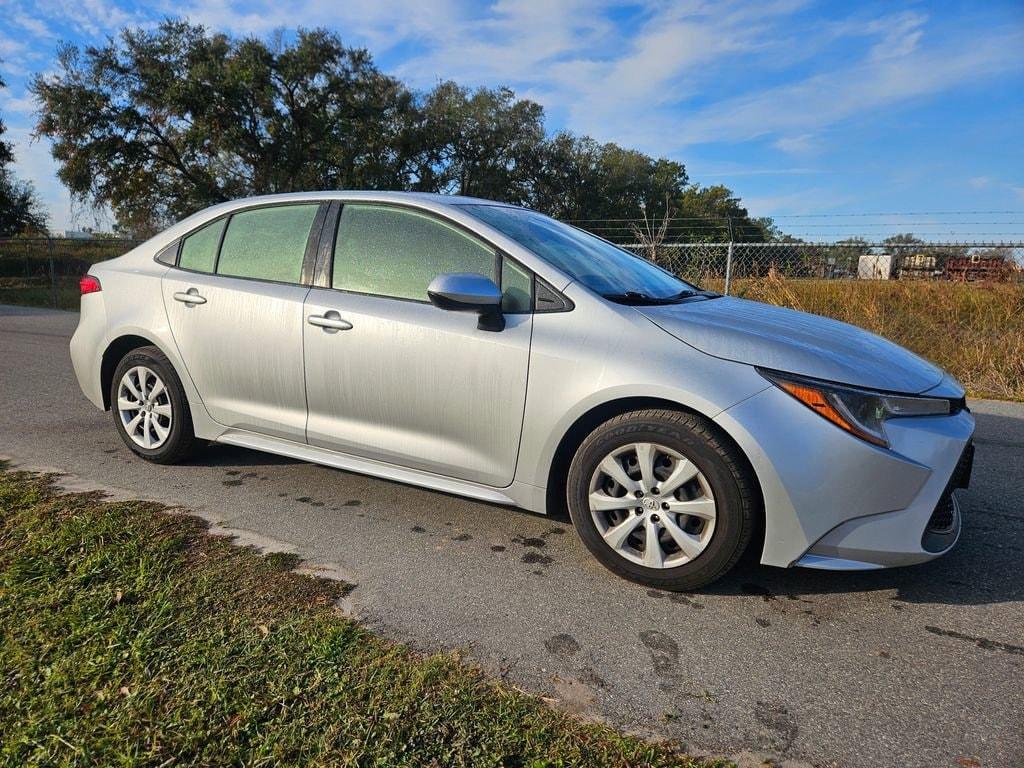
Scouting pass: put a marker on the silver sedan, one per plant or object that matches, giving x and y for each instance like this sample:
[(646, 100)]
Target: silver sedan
[(490, 351)]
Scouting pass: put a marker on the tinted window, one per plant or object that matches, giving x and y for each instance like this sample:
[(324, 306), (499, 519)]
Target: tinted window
[(597, 264), (395, 252), (199, 250), (267, 243), (516, 288)]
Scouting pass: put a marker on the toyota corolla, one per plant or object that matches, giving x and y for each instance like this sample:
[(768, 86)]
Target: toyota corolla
[(487, 350)]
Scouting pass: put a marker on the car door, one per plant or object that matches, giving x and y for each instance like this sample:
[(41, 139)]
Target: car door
[(400, 380), (234, 303)]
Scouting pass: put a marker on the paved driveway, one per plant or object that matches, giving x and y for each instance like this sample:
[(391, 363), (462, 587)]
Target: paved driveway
[(919, 666)]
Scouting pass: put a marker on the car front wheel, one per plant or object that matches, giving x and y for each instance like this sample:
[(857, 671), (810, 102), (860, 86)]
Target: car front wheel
[(660, 498)]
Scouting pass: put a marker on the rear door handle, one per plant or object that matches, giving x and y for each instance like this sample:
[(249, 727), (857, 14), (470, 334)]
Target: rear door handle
[(330, 320), (191, 296)]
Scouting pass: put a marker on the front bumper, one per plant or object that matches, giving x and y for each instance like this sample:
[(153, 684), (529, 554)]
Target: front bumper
[(833, 501), (897, 538)]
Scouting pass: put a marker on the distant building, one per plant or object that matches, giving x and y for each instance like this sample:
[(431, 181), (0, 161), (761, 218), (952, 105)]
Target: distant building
[(73, 234), (875, 266)]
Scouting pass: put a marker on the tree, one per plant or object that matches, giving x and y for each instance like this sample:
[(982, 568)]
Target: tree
[(715, 214), (484, 143), (21, 211), (161, 123), (603, 184)]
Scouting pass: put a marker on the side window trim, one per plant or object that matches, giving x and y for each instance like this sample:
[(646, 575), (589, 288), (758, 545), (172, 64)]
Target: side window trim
[(325, 249), (313, 244), (220, 243)]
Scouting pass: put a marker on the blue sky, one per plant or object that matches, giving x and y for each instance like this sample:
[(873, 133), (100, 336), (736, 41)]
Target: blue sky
[(805, 109)]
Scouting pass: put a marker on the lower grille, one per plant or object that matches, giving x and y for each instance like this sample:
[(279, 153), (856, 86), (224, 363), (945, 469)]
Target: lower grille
[(943, 526), (941, 520)]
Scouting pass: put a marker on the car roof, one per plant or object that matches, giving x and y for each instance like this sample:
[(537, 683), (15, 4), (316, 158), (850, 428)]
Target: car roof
[(357, 194)]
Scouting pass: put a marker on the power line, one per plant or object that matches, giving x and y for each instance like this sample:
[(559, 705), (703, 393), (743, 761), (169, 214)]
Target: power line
[(833, 227), (906, 213)]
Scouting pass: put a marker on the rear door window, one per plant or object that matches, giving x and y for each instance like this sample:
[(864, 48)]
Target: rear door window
[(267, 243)]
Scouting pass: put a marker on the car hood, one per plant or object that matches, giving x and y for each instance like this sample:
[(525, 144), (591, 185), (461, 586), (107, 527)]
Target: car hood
[(795, 342)]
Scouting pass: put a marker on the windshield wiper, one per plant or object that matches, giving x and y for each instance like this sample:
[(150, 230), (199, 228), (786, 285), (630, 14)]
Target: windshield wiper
[(638, 298)]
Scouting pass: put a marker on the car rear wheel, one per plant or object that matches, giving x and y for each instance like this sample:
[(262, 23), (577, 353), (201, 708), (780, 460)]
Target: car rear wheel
[(150, 407), (661, 499)]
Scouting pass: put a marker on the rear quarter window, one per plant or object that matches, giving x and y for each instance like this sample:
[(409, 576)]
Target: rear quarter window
[(199, 250)]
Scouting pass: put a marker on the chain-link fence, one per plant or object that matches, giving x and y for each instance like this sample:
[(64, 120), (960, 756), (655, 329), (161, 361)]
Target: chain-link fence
[(959, 305), (44, 271), (720, 265)]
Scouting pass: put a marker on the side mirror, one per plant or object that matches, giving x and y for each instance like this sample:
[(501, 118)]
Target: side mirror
[(469, 292)]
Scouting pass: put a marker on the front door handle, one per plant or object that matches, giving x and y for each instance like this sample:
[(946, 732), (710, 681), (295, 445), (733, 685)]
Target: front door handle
[(191, 296), (330, 321)]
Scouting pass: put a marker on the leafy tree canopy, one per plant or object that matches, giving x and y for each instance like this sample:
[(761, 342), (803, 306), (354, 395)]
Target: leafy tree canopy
[(715, 214), (20, 210), (159, 123)]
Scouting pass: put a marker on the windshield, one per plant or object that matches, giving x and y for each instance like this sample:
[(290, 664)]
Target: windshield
[(613, 272)]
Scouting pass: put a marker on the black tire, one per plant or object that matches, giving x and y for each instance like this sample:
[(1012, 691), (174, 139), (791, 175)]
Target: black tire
[(181, 443), (735, 491)]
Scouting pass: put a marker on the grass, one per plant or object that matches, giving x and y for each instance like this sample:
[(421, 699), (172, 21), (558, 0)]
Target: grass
[(36, 292), (129, 636)]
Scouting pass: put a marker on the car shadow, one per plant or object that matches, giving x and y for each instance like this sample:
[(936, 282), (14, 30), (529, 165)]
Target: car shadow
[(986, 566), (219, 455)]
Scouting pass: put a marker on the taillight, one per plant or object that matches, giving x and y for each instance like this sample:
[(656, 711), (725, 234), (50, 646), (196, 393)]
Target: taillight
[(89, 284)]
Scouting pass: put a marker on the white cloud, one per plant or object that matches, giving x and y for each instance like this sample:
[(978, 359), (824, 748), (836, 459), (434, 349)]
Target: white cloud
[(801, 144), (804, 201), (900, 35), (857, 90), (33, 25), (95, 17), (669, 76), (23, 105), (996, 184), (716, 172)]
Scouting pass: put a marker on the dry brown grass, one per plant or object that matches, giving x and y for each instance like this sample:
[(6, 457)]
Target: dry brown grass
[(975, 331)]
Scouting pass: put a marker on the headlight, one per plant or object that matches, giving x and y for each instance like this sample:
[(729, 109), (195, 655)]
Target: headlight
[(860, 412)]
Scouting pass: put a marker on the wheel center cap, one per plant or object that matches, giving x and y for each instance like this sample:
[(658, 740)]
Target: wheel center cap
[(650, 504)]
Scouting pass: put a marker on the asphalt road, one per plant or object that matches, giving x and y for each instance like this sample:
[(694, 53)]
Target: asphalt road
[(917, 666)]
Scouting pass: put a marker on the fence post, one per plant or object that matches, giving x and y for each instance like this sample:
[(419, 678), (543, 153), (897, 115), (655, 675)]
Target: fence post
[(728, 269), (728, 259), (53, 277)]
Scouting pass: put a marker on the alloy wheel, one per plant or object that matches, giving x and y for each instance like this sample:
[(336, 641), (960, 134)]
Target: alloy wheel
[(144, 405), (652, 505)]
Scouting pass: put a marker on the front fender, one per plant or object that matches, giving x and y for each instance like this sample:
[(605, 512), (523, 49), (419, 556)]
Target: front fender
[(631, 359)]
